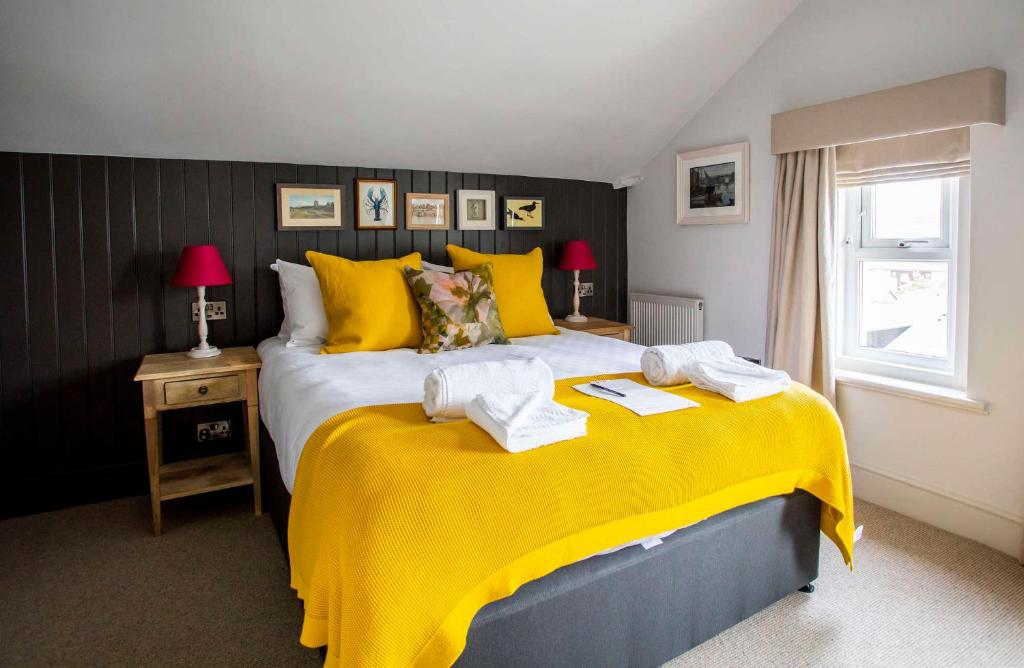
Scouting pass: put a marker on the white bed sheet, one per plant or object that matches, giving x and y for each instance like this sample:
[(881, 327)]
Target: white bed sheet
[(300, 389)]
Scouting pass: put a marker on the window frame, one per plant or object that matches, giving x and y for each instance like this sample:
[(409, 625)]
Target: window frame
[(856, 204)]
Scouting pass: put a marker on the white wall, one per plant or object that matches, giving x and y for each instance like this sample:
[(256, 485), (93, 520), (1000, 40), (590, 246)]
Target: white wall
[(961, 471)]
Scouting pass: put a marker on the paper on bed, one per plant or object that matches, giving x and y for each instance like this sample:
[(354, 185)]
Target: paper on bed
[(640, 399)]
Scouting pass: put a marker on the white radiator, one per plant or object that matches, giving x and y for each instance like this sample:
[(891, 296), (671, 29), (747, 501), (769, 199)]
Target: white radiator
[(660, 319)]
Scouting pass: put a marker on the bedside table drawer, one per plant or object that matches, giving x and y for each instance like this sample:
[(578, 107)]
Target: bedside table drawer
[(201, 389)]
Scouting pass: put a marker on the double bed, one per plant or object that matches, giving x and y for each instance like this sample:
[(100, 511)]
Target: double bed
[(636, 602)]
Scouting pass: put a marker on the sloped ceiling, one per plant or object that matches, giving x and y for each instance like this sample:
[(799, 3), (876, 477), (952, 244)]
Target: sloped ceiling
[(587, 89)]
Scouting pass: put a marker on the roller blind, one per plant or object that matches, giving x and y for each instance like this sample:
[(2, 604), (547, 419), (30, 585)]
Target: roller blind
[(909, 158)]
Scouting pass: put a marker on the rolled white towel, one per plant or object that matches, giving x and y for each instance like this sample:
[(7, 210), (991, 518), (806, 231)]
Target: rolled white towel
[(738, 379), (670, 365), (447, 391), (519, 422)]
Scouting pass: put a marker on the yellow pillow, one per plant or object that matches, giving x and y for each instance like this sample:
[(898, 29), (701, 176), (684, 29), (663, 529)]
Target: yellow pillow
[(368, 304), (517, 287)]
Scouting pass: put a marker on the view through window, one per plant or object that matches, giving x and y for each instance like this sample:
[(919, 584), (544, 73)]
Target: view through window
[(899, 296)]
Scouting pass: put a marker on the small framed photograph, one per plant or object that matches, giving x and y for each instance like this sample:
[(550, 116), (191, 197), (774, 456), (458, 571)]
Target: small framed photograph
[(375, 204), (713, 185), (476, 209), (523, 212), (307, 206), (426, 211)]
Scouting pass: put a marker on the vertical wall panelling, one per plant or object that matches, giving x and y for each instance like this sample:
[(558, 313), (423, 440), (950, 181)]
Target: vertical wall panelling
[(124, 304), (88, 245), (268, 299), (99, 328), (421, 238), (243, 253), (69, 274), (42, 315), (403, 237), (15, 361), (149, 254), (327, 240)]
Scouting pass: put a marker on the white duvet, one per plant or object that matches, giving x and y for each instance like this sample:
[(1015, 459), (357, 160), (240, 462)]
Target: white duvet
[(300, 388)]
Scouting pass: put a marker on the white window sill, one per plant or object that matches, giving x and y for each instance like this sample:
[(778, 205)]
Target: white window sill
[(933, 394)]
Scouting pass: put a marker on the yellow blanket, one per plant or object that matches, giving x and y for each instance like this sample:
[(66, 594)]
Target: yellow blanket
[(401, 530)]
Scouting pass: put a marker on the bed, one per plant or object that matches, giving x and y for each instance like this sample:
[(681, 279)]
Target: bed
[(637, 603)]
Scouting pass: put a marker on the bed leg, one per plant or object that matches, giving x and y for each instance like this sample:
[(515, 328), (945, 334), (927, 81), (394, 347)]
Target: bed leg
[(807, 588)]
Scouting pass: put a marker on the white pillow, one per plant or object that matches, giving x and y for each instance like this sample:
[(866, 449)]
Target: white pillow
[(305, 322), (430, 266)]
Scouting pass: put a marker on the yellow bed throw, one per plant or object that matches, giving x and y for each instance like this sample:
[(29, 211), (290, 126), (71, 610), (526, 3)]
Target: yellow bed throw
[(401, 530)]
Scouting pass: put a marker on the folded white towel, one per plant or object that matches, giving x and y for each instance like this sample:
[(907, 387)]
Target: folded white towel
[(447, 391), (738, 379), (521, 422), (670, 365)]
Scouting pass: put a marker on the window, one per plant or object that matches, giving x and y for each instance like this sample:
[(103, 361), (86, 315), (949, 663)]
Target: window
[(903, 285)]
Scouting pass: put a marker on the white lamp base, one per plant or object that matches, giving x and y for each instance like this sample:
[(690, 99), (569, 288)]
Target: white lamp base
[(209, 351), (575, 315)]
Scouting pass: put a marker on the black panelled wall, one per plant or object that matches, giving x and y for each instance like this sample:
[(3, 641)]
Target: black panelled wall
[(87, 248)]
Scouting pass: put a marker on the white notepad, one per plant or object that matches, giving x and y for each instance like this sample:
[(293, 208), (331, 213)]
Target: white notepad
[(640, 399)]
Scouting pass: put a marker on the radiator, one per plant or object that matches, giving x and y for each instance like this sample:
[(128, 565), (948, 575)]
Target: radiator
[(660, 319)]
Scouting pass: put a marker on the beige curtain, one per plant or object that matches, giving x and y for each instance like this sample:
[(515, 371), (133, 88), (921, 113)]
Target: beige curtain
[(801, 298)]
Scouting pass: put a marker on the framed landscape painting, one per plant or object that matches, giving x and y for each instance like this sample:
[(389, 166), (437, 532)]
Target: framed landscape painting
[(426, 211), (375, 204), (713, 185), (307, 206), (523, 212)]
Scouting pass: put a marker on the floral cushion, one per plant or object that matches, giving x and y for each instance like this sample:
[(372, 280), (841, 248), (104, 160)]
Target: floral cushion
[(458, 310)]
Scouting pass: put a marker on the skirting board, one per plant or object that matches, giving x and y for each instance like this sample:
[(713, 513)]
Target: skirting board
[(964, 517)]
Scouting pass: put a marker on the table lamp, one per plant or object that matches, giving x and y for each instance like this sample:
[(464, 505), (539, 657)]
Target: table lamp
[(198, 267), (576, 256)]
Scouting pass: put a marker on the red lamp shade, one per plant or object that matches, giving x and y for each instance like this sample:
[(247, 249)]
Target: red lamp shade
[(577, 255), (200, 265)]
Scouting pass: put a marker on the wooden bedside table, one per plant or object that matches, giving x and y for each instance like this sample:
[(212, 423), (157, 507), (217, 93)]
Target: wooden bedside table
[(175, 380), (600, 327)]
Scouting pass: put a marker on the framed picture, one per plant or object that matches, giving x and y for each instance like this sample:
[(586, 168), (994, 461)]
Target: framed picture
[(375, 204), (476, 209), (523, 212), (308, 206), (713, 185), (426, 211)]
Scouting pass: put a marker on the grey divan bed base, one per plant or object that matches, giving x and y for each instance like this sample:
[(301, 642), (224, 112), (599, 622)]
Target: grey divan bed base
[(634, 607)]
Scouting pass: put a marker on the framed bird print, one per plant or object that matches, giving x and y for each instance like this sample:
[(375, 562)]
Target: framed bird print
[(375, 204), (476, 209), (523, 212)]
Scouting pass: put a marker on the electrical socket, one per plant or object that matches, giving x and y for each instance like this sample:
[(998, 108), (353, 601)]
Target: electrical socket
[(214, 311), (213, 431), (586, 289)]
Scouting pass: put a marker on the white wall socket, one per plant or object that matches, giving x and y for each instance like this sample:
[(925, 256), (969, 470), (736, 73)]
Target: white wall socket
[(214, 311), (586, 289)]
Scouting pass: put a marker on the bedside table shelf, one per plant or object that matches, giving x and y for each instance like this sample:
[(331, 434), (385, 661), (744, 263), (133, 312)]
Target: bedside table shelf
[(173, 381), (599, 327), (208, 474)]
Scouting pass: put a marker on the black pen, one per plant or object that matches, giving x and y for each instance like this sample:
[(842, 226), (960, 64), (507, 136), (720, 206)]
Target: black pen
[(609, 390)]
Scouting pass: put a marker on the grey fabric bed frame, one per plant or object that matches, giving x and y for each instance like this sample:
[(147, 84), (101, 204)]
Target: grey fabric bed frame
[(635, 607)]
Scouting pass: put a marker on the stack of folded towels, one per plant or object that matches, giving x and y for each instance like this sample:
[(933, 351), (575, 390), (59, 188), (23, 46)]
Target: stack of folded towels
[(711, 365), (512, 400)]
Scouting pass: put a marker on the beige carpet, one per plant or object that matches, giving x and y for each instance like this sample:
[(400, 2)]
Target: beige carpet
[(90, 586)]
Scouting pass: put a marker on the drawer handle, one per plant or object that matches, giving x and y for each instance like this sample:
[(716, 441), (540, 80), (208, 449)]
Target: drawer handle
[(203, 389)]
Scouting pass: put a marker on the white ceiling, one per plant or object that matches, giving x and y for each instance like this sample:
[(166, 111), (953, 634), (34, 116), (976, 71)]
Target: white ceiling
[(586, 89)]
